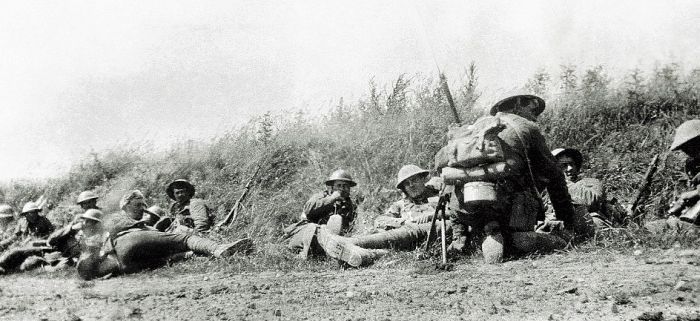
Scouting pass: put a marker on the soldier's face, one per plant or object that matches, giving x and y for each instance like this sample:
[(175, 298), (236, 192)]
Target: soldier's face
[(568, 166), (89, 204), (414, 186), (91, 227), (342, 187), (32, 217), (181, 195), (135, 207)]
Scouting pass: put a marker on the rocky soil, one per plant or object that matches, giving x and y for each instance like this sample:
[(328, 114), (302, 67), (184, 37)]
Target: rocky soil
[(602, 285)]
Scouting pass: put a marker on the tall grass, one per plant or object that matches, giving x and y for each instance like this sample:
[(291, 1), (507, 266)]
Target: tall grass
[(618, 124)]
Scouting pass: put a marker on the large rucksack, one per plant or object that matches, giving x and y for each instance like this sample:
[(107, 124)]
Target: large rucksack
[(476, 153)]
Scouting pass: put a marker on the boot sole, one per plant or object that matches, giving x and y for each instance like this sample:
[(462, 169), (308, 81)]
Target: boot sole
[(341, 251)]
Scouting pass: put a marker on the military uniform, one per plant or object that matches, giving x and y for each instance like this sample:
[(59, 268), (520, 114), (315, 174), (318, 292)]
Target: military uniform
[(26, 255), (194, 215), (320, 207)]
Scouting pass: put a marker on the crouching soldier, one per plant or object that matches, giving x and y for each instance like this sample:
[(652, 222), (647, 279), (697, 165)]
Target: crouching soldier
[(123, 244), (497, 166), (28, 241), (589, 196), (684, 214)]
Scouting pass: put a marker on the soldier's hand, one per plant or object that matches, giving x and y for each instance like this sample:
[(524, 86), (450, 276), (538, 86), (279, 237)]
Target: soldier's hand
[(77, 226), (435, 183), (422, 219), (337, 196), (549, 226)]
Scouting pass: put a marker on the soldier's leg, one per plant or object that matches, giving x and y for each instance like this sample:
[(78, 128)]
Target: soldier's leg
[(343, 249), (12, 259), (335, 224), (407, 237), (299, 237), (530, 242)]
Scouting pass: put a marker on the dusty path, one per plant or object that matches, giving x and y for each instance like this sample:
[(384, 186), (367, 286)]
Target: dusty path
[(572, 286)]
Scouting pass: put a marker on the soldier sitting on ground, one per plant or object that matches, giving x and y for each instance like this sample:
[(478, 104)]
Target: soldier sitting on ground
[(87, 200), (122, 243), (418, 203), (332, 207), (589, 193), (684, 212)]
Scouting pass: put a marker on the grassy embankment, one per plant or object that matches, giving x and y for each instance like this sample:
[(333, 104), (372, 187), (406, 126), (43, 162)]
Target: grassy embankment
[(619, 124)]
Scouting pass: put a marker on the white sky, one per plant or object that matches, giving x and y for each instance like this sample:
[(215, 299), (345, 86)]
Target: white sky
[(77, 76)]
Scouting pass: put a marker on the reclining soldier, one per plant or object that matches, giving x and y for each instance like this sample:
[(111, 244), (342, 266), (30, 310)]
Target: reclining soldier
[(497, 167), (587, 193), (418, 203), (684, 212), (121, 243), (27, 242)]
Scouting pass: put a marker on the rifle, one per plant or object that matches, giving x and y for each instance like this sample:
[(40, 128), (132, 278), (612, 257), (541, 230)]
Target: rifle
[(644, 189), (446, 89), (445, 194), (233, 213)]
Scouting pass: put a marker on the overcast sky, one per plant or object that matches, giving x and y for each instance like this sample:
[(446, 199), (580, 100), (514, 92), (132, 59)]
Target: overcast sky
[(81, 76)]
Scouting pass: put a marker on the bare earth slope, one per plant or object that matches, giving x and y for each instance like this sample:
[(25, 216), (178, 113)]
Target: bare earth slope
[(657, 285)]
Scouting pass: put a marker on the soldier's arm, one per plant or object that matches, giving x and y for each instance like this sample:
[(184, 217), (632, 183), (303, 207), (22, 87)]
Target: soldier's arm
[(61, 235), (200, 214), (318, 206), (543, 163)]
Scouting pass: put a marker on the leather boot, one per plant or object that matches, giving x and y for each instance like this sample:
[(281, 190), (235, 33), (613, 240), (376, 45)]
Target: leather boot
[(529, 242), (492, 247), (239, 246), (342, 249)]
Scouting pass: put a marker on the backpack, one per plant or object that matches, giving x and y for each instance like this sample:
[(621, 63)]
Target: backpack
[(476, 153)]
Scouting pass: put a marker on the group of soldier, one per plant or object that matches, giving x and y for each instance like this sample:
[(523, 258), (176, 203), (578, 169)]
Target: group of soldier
[(500, 190)]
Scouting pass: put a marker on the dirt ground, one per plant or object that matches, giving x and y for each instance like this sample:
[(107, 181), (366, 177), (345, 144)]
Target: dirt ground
[(602, 285)]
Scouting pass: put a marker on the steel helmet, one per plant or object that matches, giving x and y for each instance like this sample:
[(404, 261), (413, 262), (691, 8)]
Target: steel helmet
[(6, 211), (571, 152), (686, 132), (407, 172), (340, 175), (156, 211), (504, 104), (179, 184), (86, 196), (92, 214), (30, 207)]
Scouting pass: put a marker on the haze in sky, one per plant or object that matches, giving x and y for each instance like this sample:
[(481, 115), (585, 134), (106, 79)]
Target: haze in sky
[(83, 76)]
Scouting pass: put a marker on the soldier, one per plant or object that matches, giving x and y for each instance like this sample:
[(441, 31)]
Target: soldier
[(29, 236), (153, 214), (123, 244), (7, 220), (87, 200), (417, 205), (683, 214), (188, 214), (502, 198), (588, 192), (332, 206)]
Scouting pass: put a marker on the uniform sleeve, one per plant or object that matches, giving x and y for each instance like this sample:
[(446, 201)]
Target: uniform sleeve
[(544, 165), (61, 235), (200, 214), (318, 206)]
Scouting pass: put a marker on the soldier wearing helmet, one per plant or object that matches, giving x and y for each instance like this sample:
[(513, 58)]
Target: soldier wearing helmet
[(123, 244), (684, 214), (188, 214), (7, 218), (332, 206), (587, 193), (87, 200), (418, 203), (31, 226)]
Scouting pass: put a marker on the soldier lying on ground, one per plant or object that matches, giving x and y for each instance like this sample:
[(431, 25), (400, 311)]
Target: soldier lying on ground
[(121, 243), (418, 203), (27, 242), (683, 214), (187, 214), (588, 193), (497, 166)]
